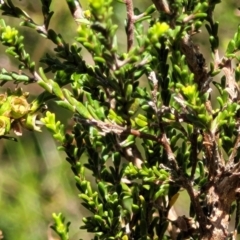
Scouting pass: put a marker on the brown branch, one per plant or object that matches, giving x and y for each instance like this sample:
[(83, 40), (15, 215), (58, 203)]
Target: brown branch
[(194, 153), (234, 152), (125, 131), (163, 138), (130, 153), (111, 127), (232, 86), (130, 24), (171, 158), (195, 61), (220, 196), (214, 162), (162, 6), (194, 197)]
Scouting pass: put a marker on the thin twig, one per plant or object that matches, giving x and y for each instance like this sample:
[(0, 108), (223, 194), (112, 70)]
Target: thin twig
[(117, 129), (125, 131), (166, 145), (130, 24), (211, 151), (217, 60), (195, 61), (162, 6), (194, 197), (232, 86), (36, 76), (194, 153), (152, 77), (234, 152), (76, 10)]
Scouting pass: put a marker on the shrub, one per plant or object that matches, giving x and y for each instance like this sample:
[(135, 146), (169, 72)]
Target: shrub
[(147, 140)]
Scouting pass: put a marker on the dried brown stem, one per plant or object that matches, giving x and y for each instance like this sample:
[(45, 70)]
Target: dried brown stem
[(130, 24)]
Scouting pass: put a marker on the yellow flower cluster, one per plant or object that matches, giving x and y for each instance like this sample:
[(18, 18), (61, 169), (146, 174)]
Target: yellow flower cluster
[(12, 108)]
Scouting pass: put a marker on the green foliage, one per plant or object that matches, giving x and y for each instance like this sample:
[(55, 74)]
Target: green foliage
[(145, 118), (59, 226)]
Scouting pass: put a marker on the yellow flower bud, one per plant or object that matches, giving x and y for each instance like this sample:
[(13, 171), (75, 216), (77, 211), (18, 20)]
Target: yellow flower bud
[(19, 107), (5, 106), (157, 30), (10, 34), (5, 125)]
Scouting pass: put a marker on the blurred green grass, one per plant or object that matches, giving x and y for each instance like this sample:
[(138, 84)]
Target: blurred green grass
[(35, 179)]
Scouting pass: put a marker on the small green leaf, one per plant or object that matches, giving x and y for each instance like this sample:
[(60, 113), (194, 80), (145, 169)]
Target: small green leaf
[(231, 47)]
